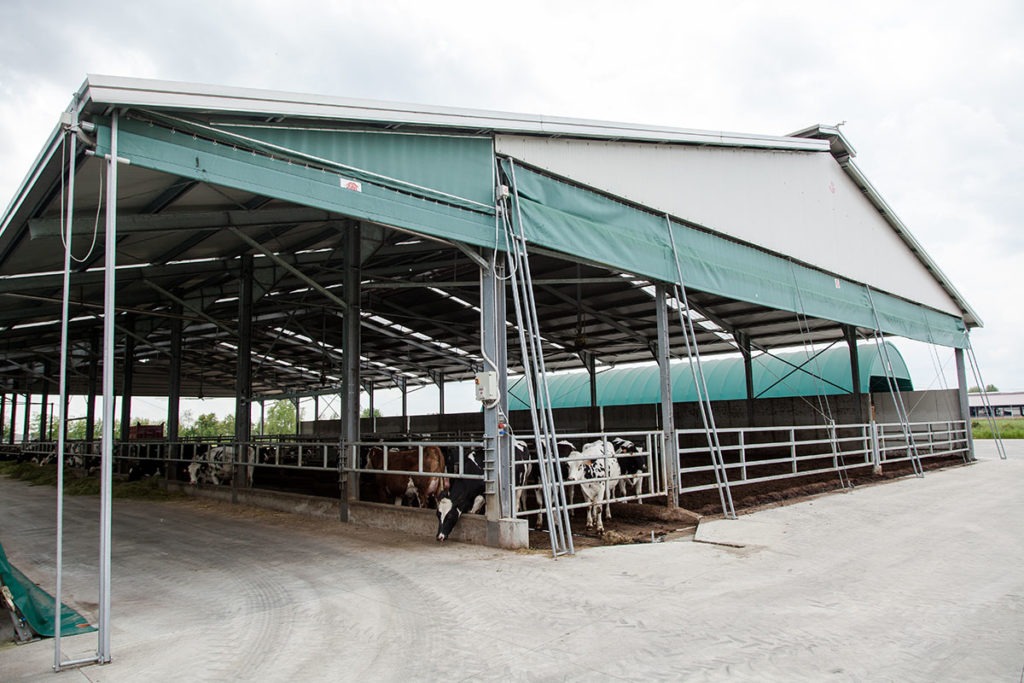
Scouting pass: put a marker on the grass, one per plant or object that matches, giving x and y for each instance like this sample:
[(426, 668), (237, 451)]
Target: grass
[(1009, 428), (46, 475)]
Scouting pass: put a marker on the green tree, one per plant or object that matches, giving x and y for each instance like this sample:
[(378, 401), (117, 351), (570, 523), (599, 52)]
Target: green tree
[(76, 429), (366, 413), (280, 418), (227, 424), (989, 388), (207, 424)]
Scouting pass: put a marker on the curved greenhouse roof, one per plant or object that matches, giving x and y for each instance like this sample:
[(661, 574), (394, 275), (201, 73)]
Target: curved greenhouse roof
[(799, 373)]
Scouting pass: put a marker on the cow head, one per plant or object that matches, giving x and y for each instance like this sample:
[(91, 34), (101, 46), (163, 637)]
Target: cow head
[(194, 468), (623, 445), (581, 469), (447, 516)]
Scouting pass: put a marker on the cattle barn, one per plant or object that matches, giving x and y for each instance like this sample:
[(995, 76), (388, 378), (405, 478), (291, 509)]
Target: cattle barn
[(175, 239)]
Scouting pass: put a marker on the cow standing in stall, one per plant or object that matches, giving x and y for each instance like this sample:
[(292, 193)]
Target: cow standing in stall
[(464, 496), (597, 473), (217, 465), (403, 483), (634, 467), (528, 475)]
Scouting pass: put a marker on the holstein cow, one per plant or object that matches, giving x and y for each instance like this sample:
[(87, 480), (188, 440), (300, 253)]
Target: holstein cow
[(524, 471), (596, 471), (633, 465), (396, 486), (216, 465), (528, 474), (464, 496)]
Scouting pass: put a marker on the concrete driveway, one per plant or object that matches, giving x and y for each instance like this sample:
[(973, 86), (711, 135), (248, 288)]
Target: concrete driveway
[(913, 580)]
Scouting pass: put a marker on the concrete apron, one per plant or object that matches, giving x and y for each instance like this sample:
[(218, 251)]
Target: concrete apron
[(510, 534)]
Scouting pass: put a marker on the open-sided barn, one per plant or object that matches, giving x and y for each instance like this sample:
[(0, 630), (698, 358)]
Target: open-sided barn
[(178, 240)]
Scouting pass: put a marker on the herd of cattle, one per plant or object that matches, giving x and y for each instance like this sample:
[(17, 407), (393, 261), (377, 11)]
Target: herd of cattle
[(448, 479), (601, 471)]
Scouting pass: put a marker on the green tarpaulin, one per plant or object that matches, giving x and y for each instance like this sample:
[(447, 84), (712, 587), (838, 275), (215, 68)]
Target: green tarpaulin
[(37, 605), (575, 220)]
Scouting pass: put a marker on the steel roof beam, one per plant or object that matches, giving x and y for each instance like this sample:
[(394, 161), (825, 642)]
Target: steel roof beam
[(128, 224)]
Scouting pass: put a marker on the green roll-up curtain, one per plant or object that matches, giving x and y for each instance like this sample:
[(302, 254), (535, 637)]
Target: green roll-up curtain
[(37, 605), (564, 217)]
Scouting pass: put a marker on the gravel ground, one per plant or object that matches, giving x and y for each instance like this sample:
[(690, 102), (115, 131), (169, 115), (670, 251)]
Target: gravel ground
[(912, 580)]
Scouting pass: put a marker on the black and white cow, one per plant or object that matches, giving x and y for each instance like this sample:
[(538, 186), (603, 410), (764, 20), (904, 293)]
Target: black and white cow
[(596, 470), (216, 466), (525, 471), (634, 468), (463, 496), (528, 475)]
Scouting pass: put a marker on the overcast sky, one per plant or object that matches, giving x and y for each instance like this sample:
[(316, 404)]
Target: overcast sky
[(932, 95)]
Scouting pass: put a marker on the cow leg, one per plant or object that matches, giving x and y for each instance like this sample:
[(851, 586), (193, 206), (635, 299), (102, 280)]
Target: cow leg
[(539, 496), (478, 503)]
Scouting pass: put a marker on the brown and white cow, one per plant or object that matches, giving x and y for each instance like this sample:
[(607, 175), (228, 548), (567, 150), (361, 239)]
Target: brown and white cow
[(400, 479)]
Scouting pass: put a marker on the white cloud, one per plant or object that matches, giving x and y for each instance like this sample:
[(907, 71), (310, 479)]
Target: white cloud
[(932, 95)]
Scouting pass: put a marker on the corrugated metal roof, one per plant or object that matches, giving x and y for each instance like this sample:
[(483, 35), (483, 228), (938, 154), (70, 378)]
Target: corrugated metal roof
[(136, 92)]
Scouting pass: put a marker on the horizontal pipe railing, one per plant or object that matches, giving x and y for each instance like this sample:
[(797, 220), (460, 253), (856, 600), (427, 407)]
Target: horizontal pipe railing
[(752, 455)]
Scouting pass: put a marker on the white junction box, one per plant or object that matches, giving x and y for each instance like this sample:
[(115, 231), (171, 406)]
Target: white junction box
[(487, 386)]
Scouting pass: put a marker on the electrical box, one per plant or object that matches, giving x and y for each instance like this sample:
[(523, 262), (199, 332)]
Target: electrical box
[(487, 386)]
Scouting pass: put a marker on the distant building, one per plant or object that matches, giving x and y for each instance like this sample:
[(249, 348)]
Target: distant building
[(1003, 403)]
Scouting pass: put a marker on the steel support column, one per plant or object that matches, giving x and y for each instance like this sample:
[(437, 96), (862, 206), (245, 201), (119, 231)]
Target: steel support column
[(965, 408), (26, 432), (670, 445), (44, 399), (593, 415), (106, 468), (743, 341), (90, 406), (174, 390), (3, 415), (439, 380), (243, 376), (403, 385), (127, 378), (14, 415), (850, 332), (493, 347), (350, 358)]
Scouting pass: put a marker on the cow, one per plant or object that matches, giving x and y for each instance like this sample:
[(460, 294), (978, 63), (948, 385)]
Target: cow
[(217, 465), (143, 469), (397, 487), (464, 496), (596, 471), (633, 465), (524, 471), (528, 475)]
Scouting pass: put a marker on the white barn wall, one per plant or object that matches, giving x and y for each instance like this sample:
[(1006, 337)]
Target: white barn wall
[(800, 204)]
